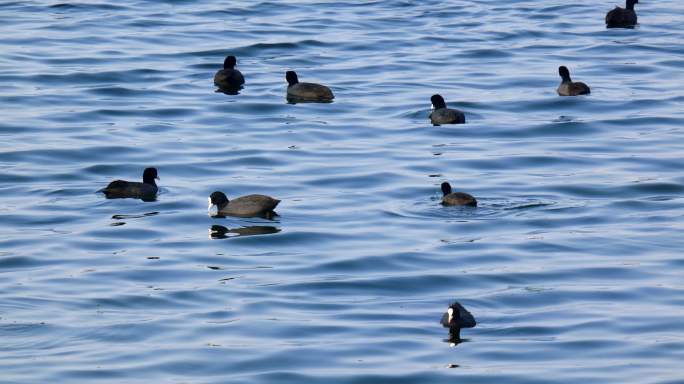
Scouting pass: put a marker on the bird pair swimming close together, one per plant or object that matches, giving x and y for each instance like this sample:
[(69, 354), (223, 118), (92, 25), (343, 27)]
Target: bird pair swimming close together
[(246, 206), (230, 79)]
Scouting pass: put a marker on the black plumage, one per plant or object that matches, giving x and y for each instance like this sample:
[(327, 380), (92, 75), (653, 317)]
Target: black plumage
[(455, 318), (147, 190), (622, 17), (568, 87), (229, 78), (456, 198)]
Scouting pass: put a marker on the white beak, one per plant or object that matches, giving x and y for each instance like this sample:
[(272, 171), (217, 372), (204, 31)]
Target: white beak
[(450, 311), (212, 208)]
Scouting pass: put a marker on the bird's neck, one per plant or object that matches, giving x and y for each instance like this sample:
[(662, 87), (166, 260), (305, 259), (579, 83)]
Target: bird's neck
[(455, 334)]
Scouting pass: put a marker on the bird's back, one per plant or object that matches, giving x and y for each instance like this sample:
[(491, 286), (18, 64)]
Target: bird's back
[(229, 78), (250, 205), (580, 88), (466, 319), (573, 89), (621, 17), (447, 116), (132, 189), (310, 91), (459, 198)]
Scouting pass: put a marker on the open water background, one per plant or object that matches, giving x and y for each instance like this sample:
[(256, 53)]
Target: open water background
[(572, 263)]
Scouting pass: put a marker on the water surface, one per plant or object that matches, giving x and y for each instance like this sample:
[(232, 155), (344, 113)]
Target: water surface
[(571, 263)]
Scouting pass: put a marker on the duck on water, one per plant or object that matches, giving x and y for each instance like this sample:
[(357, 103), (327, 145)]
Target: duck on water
[(121, 189), (229, 78), (622, 17), (297, 91), (244, 206), (568, 87), (455, 318)]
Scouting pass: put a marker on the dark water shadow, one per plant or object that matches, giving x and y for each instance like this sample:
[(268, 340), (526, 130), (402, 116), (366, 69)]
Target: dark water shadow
[(296, 100), (232, 91), (119, 218), (217, 232), (147, 199), (123, 217), (272, 215), (455, 340)]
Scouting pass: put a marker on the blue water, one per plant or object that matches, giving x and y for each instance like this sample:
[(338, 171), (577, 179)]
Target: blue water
[(572, 264)]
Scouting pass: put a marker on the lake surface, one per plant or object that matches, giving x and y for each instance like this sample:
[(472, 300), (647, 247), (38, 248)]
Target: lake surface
[(572, 263)]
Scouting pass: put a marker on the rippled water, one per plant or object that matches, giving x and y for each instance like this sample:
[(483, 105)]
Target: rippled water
[(572, 263)]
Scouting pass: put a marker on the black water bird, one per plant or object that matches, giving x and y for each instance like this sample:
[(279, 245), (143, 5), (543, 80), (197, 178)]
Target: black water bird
[(229, 78), (456, 198), (622, 17), (455, 318), (443, 115), (568, 87), (306, 91), (147, 190), (244, 206)]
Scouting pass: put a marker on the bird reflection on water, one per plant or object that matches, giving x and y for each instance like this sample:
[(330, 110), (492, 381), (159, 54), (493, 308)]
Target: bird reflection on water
[(221, 232)]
